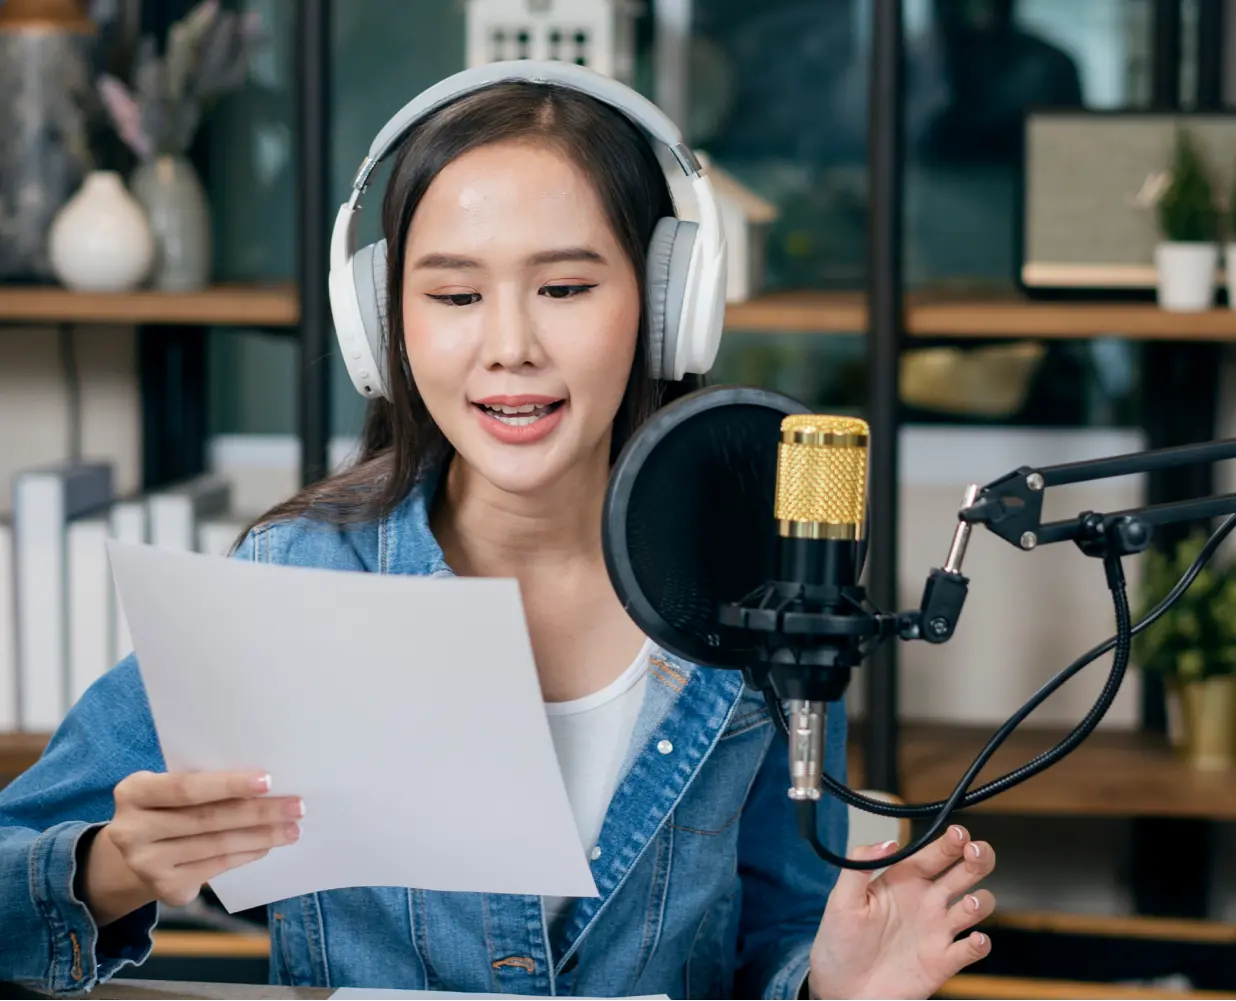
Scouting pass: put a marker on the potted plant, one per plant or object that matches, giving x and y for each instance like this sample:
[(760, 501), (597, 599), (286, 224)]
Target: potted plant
[(1229, 246), (1193, 646), (1188, 254)]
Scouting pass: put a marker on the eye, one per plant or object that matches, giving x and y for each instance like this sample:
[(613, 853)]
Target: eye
[(457, 298), (564, 291)]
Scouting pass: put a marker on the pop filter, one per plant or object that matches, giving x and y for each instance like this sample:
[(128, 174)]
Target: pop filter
[(688, 518)]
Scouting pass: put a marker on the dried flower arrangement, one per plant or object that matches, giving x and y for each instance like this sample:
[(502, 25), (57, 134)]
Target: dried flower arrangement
[(207, 54)]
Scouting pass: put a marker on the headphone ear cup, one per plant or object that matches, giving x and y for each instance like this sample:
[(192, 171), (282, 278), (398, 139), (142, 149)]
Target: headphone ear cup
[(369, 279), (669, 261)]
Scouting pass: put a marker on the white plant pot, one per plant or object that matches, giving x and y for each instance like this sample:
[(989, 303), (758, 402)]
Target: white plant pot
[(1229, 261), (101, 241), (1186, 275)]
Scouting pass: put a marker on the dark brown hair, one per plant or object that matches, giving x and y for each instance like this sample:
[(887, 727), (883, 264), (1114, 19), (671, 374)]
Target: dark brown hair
[(400, 441)]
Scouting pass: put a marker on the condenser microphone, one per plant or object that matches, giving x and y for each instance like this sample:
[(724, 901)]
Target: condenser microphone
[(820, 508)]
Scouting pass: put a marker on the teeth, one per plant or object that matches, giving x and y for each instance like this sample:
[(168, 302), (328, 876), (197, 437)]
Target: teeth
[(516, 416)]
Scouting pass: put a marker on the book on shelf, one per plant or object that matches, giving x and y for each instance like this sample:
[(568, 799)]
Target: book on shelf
[(45, 502), (62, 625), (89, 586), (8, 628), (129, 522), (176, 511)]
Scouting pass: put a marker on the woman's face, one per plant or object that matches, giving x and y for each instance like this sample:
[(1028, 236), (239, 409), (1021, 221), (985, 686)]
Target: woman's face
[(521, 313)]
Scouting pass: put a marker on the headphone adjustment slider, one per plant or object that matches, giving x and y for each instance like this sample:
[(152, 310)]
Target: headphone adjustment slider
[(686, 159), (362, 174)]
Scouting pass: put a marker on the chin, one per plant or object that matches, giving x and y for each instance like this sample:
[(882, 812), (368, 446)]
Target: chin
[(522, 474)]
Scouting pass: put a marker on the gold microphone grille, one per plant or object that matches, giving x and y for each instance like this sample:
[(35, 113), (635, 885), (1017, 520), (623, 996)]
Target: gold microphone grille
[(822, 476)]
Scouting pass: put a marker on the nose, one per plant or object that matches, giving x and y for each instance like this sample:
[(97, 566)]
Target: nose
[(510, 340)]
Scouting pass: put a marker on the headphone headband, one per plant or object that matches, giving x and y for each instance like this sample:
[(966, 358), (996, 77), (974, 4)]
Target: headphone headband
[(685, 267), (634, 105)]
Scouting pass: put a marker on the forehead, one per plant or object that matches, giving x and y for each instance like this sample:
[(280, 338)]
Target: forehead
[(509, 191)]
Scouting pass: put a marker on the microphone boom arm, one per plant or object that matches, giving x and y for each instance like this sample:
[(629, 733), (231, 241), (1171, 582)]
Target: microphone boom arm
[(1011, 507)]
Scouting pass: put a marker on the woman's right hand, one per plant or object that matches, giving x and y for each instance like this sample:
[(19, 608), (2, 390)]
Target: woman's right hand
[(174, 832)]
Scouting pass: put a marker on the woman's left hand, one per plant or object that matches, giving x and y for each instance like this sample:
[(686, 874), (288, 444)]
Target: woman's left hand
[(896, 936)]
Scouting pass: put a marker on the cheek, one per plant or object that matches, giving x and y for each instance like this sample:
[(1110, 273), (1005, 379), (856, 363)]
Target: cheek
[(439, 347), (597, 350)]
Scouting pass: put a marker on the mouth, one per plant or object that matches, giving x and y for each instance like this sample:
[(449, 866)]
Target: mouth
[(517, 416)]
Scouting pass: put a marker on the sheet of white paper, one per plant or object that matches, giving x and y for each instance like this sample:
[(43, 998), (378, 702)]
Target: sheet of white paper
[(405, 711), (389, 995)]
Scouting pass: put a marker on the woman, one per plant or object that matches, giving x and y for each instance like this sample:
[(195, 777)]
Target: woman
[(518, 220)]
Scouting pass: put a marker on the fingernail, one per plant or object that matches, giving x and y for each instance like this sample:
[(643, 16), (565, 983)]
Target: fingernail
[(958, 832), (975, 851), (261, 783), (888, 846), (295, 809), (972, 902), (980, 939), (291, 831)]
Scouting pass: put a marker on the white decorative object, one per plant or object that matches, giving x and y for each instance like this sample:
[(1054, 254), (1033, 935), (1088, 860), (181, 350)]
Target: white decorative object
[(167, 187), (100, 241), (1186, 275), (745, 219), (599, 34), (1229, 260)]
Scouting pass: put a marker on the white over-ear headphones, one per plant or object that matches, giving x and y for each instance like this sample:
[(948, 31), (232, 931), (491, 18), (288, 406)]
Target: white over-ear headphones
[(686, 255)]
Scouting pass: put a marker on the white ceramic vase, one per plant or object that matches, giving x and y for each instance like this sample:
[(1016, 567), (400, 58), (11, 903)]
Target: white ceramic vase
[(100, 240), (1186, 275)]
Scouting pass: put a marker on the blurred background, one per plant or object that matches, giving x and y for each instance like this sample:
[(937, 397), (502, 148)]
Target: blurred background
[(168, 177)]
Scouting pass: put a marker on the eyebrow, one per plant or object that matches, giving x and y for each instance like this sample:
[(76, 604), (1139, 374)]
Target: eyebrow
[(454, 262)]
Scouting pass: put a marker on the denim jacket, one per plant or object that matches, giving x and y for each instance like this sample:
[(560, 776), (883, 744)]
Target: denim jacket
[(706, 890)]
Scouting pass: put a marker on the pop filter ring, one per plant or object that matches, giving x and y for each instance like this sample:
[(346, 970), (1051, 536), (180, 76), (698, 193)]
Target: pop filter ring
[(622, 482)]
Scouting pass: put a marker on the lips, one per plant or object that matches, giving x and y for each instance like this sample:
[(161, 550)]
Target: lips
[(519, 419)]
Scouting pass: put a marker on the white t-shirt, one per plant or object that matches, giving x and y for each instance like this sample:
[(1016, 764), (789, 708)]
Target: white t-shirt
[(591, 737)]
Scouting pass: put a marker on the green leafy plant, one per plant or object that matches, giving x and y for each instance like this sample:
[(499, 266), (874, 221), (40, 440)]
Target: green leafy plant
[(1196, 637), (1186, 205)]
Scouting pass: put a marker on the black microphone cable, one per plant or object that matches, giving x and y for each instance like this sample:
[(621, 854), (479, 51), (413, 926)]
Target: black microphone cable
[(960, 797)]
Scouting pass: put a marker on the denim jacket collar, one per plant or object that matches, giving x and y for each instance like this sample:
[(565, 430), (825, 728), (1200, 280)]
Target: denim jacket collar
[(685, 710)]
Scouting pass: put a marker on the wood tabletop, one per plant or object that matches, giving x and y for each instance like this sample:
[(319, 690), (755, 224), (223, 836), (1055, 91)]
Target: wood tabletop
[(141, 990)]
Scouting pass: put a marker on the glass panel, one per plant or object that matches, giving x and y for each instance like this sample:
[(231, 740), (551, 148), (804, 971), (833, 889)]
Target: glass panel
[(973, 69), (826, 372), (383, 54), (776, 96)]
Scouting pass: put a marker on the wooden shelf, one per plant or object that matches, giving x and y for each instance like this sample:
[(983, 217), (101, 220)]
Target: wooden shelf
[(977, 985), (927, 315), (1123, 926), (800, 312), (219, 305), (18, 751), (933, 315), (1112, 774), (1016, 317), (211, 944)]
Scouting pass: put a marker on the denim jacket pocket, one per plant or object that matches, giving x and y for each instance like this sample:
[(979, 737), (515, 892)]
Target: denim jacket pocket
[(714, 801), (297, 955), (709, 970)]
